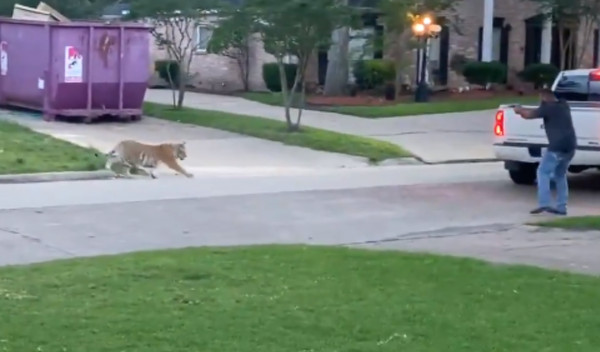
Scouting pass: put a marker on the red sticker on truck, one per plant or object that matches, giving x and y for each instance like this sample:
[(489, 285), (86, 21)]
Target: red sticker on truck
[(73, 65), (3, 58)]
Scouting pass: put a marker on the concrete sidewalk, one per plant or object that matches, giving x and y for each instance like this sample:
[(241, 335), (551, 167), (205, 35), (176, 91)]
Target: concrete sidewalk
[(433, 138), (210, 151)]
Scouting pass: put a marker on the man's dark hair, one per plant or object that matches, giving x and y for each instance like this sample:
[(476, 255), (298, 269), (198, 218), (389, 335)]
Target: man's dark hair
[(547, 93)]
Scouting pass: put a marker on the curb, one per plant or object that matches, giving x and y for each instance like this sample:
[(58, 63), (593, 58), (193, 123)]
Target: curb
[(419, 161), (399, 161), (57, 176), (459, 161)]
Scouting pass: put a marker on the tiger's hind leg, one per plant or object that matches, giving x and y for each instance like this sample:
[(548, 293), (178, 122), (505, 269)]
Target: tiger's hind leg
[(121, 168), (146, 171)]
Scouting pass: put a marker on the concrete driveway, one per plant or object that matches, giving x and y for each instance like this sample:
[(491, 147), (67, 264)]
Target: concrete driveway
[(454, 137), (210, 151), (438, 138)]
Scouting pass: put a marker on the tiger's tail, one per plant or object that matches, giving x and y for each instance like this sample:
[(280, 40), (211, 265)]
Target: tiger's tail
[(112, 153)]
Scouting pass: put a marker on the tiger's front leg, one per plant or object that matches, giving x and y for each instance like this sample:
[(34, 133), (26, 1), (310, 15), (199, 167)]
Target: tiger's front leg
[(174, 165)]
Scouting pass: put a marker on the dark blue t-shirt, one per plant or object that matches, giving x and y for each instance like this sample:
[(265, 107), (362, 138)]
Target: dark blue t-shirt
[(558, 125)]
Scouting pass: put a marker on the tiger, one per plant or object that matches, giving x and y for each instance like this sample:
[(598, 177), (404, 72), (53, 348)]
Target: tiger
[(131, 155)]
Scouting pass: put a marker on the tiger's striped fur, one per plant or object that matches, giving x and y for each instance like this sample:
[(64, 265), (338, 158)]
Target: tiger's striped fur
[(131, 154)]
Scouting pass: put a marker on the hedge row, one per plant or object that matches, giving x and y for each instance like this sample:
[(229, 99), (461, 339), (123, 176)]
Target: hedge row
[(371, 74)]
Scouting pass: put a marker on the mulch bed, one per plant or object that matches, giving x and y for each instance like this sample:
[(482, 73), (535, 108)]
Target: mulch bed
[(369, 100)]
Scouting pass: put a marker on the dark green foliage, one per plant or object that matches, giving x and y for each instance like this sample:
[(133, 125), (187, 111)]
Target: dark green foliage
[(482, 73), (539, 74), (458, 62), (370, 74), (168, 70), (272, 79)]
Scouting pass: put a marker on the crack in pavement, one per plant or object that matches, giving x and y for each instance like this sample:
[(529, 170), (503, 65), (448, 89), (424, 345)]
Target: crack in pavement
[(426, 132), (441, 233), (36, 240), (456, 161)]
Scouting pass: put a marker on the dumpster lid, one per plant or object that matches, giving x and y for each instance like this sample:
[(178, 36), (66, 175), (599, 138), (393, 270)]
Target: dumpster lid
[(80, 24), (22, 12), (45, 7)]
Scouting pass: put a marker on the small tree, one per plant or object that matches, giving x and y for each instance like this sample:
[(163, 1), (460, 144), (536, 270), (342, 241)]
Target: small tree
[(232, 38), (581, 16), (297, 28), (174, 29)]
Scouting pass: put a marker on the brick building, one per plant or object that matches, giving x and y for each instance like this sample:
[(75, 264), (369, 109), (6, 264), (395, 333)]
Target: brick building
[(510, 31), (513, 32)]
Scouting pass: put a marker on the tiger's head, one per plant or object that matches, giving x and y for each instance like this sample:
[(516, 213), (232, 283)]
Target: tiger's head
[(179, 150)]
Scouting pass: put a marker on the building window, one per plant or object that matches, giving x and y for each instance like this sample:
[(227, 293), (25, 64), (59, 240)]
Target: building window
[(597, 48), (203, 34), (433, 59), (498, 35), (496, 43)]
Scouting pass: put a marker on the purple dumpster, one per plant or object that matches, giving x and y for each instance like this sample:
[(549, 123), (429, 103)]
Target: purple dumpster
[(74, 69)]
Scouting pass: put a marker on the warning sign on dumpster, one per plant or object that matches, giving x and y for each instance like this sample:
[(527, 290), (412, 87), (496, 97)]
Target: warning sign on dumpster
[(73, 65), (3, 58)]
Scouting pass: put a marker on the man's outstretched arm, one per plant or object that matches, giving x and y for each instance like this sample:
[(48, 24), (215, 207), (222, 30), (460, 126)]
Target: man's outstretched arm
[(529, 113)]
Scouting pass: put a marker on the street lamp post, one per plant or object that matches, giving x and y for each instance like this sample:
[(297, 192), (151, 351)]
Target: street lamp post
[(423, 28)]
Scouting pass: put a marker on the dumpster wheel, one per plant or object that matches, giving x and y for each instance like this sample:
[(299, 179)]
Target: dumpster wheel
[(135, 118)]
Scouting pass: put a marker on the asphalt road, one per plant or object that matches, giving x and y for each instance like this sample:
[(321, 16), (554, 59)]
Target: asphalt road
[(470, 209)]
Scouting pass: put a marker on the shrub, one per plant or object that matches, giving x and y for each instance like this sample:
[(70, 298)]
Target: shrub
[(272, 79), (166, 68), (482, 73), (458, 62), (539, 74), (369, 74)]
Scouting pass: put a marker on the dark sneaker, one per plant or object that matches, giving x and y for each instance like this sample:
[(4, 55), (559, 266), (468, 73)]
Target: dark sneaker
[(557, 212), (539, 210)]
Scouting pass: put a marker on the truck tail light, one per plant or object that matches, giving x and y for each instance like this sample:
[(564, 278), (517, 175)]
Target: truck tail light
[(499, 124), (595, 75)]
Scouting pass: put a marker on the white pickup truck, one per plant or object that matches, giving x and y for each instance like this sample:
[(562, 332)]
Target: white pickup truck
[(519, 142)]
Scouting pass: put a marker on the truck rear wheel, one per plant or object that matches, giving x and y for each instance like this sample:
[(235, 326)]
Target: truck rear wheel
[(523, 176)]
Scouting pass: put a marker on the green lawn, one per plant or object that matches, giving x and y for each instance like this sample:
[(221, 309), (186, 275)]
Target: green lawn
[(265, 98), (293, 298), (274, 130), (25, 151), (405, 109), (576, 223)]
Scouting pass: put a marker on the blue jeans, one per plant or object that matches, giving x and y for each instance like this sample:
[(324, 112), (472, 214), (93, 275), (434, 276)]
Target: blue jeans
[(553, 166)]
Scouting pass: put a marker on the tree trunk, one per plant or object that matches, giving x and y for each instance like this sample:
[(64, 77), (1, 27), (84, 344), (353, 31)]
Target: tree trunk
[(171, 85), (400, 50), (561, 45), (247, 70), (243, 60), (299, 79), (336, 77), (300, 108), (285, 93), (180, 96), (588, 29)]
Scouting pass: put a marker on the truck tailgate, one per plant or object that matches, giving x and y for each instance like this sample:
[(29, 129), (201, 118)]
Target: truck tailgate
[(519, 130), (586, 120)]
